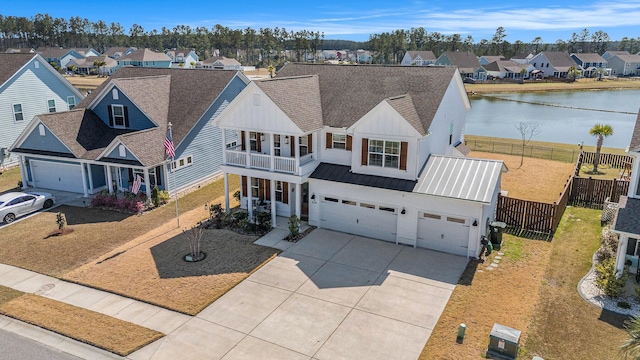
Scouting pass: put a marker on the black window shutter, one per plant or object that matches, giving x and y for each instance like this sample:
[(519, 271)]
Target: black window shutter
[(631, 247), (130, 175), (110, 115), (159, 175), (126, 117)]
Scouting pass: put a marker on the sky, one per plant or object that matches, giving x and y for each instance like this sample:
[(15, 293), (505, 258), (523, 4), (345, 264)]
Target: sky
[(357, 19)]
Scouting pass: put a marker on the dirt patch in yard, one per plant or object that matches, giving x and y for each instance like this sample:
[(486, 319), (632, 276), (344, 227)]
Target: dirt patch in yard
[(537, 179), (108, 333), (506, 295), (155, 271)]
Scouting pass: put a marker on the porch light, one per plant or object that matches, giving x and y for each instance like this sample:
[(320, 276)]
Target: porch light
[(475, 222), (313, 197), (261, 136), (286, 139), (403, 211)]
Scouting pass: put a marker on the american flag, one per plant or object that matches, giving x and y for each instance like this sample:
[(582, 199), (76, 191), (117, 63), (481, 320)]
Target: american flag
[(135, 188), (168, 144)]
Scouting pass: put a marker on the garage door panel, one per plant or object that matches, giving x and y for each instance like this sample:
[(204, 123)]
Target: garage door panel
[(360, 218), (442, 232), (56, 176)]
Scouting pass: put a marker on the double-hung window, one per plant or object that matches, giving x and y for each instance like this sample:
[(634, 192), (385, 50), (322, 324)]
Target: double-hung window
[(384, 153), (51, 104), (118, 116), (17, 112), (304, 145), (255, 187), (71, 102), (276, 145), (339, 141), (279, 191), (253, 141)]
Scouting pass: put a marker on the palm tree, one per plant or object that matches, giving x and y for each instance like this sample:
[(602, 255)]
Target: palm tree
[(99, 64), (270, 69), (601, 131), (631, 347)]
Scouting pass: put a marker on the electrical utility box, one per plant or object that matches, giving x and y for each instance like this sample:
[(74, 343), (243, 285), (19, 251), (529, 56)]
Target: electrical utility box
[(503, 341)]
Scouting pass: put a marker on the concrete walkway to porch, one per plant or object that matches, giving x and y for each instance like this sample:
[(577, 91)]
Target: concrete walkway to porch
[(275, 237)]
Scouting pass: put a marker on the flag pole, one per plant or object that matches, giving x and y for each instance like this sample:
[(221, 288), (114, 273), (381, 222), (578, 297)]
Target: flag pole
[(175, 184)]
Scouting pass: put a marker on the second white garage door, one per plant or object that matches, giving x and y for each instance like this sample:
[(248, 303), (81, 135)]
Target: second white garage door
[(56, 176), (358, 217), (442, 232)]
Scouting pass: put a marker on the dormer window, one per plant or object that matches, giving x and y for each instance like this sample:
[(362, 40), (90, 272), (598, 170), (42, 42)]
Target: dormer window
[(118, 116), (114, 94)]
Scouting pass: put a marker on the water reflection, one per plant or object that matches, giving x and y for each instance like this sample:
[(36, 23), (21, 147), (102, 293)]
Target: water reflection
[(492, 116)]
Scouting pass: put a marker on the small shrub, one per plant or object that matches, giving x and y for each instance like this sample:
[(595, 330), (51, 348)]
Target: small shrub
[(61, 220), (239, 216), (215, 215), (637, 289), (159, 197), (263, 219), (236, 195), (623, 305), (606, 278), (20, 184), (294, 226), (136, 206), (122, 203), (608, 246)]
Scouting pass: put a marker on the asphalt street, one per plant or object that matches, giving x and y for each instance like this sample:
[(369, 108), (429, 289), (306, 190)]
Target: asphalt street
[(16, 347)]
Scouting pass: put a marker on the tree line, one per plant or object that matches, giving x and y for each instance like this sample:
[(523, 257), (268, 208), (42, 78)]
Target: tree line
[(266, 46)]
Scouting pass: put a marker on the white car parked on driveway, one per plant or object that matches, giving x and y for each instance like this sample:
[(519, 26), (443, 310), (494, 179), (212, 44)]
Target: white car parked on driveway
[(15, 204)]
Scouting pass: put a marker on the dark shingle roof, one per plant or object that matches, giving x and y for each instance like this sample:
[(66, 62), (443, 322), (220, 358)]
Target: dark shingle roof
[(298, 97), (559, 59), (404, 105), (11, 63), (628, 216), (343, 174), (590, 57), (52, 52), (634, 145), (465, 61), (347, 92), (425, 55), (146, 55)]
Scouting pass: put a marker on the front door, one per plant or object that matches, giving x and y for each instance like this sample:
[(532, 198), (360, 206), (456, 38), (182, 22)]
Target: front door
[(115, 178), (304, 210)]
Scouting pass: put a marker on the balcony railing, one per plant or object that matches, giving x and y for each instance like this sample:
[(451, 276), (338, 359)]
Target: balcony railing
[(262, 161)]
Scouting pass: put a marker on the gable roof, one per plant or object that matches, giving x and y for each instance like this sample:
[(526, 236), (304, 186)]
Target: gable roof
[(424, 55), (298, 97), (634, 145), (465, 61), (460, 178), (348, 92), (146, 55), (117, 49), (492, 58), (222, 60), (404, 105), (176, 52), (506, 66), (590, 57), (10, 63), (522, 56), (559, 59), (628, 58), (184, 107)]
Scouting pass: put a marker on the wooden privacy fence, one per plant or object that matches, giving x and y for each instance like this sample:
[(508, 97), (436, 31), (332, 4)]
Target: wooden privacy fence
[(616, 161), (524, 217)]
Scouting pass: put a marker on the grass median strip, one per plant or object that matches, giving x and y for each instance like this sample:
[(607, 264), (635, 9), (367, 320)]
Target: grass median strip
[(111, 334)]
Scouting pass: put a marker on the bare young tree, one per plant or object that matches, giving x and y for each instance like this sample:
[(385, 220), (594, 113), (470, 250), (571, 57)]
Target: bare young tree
[(194, 235), (527, 131)]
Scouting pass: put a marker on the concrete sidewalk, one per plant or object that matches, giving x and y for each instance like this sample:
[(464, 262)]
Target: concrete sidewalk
[(120, 307)]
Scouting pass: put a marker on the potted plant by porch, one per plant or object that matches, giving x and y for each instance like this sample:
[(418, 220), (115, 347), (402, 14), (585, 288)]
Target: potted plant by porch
[(194, 235)]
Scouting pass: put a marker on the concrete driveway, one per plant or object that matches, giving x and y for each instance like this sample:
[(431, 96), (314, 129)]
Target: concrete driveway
[(330, 296), (62, 198)]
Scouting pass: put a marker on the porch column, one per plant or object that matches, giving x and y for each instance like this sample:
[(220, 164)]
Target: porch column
[(272, 158), (23, 171), (109, 179), (296, 151), (247, 149), (84, 180), (298, 200), (224, 146), (90, 178), (273, 203), (226, 192), (249, 199), (147, 184), (620, 255)]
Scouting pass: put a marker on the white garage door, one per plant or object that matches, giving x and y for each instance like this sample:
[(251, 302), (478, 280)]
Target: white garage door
[(442, 232), (56, 176), (360, 218)]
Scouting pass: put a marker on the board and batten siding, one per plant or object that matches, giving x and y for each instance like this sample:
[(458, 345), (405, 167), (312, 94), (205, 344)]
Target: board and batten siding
[(48, 142), (31, 87), (204, 143), (137, 119)]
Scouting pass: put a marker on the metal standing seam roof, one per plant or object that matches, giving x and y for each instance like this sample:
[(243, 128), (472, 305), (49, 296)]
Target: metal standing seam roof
[(459, 178)]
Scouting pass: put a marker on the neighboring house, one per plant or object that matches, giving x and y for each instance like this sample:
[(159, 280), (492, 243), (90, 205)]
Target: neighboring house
[(118, 132), (553, 63), (522, 58), (29, 86), (509, 69), (364, 56), (467, 64), (609, 54), (59, 56), (20, 51), (86, 66), (145, 58), (624, 65), (421, 58), (117, 52), (183, 58), (86, 52), (221, 63), (590, 63), (486, 59), (626, 221), (328, 55), (380, 163)]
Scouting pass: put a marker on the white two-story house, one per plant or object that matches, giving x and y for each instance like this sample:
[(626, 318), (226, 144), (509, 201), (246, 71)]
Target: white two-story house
[(627, 220), (368, 150)]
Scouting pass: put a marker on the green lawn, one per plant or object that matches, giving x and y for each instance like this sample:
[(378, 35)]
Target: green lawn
[(564, 325)]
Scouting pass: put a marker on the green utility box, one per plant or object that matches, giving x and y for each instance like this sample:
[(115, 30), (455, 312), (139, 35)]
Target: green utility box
[(503, 342)]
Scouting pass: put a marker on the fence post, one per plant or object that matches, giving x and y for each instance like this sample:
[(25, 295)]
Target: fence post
[(551, 154), (511, 149)]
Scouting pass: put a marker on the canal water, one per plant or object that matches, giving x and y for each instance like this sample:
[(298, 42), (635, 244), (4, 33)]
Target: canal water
[(563, 117)]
